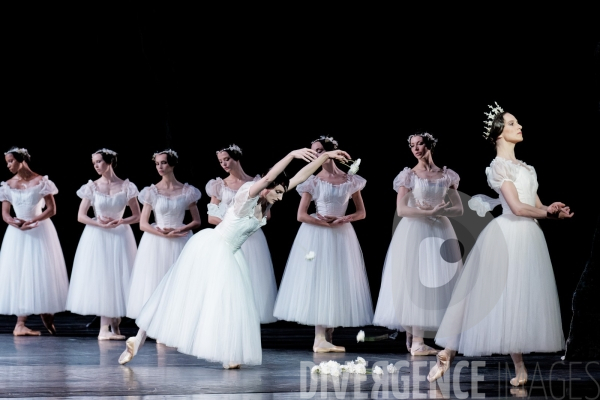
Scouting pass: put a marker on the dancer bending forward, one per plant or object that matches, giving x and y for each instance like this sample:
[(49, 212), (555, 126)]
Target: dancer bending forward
[(204, 306)]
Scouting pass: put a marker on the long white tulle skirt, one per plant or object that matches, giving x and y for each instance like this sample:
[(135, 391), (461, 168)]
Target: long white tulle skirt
[(101, 271), (332, 289), (33, 275), (505, 300), (421, 267), (204, 306), (260, 268), (155, 255)]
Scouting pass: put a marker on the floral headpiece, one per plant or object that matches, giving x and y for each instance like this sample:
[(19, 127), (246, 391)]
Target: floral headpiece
[(490, 119), (326, 139), (106, 151), (233, 147), (21, 151), (424, 135), (170, 152)]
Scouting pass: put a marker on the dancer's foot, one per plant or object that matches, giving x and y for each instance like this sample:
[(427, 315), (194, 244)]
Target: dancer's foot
[(48, 320), (131, 349), (232, 366), (110, 336), (22, 330), (421, 349), (444, 359), (324, 346), (520, 379), (409, 338)]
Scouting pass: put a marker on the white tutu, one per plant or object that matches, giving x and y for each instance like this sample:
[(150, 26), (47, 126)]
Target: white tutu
[(204, 306), (33, 275), (155, 255), (420, 270), (332, 289), (505, 300), (260, 269)]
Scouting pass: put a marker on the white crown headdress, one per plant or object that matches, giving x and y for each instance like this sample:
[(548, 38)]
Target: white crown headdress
[(233, 147), (424, 135), (106, 151), (490, 118), (21, 150), (170, 152), (326, 139)]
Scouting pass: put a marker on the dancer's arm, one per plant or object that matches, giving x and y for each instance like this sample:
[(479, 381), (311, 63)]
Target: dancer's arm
[(509, 191), (404, 210), (357, 215), (456, 207), (195, 223), (134, 218), (211, 218), (310, 169), (303, 215), (15, 222), (48, 212)]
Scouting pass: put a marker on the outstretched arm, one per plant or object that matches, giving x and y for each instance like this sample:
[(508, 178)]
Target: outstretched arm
[(310, 169)]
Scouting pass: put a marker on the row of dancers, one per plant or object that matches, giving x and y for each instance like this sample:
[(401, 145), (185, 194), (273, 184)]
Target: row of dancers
[(207, 294)]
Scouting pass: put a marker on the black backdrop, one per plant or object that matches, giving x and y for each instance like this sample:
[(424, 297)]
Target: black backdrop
[(139, 78)]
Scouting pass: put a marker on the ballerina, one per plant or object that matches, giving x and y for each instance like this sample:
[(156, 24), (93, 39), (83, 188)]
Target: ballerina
[(505, 300), (33, 274), (163, 240), (107, 248), (204, 306), (255, 248), (325, 282), (423, 257)]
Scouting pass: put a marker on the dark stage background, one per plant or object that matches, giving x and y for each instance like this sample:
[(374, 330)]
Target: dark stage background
[(137, 79)]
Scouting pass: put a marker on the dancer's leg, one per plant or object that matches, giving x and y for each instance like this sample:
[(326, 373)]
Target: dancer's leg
[(132, 346), (22, 330), (418, 346), (520, 370), (321, 345), (48, 320), (105, 334)]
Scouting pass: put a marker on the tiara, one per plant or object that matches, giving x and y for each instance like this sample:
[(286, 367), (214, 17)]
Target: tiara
[(106, 151), (490, 118), (233, 147), (170, 152), (22, 151), (424, 135), (326, 139)]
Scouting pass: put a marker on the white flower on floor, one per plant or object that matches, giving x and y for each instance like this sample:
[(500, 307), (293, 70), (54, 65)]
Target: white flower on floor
[(310, 255), (361, 361), (377, 370), (391, 368), (354, 168), (360, 337), (360, 369), (315, 370)]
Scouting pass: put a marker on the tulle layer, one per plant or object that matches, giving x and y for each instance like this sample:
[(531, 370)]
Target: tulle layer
[(101, 271), (33, 275), (154, 257), (505, 301), (332, 289), (420, 270), (204, 306), (260, 269)]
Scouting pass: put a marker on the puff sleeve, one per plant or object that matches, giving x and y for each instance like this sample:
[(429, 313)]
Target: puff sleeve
[(453, 178), (243, 204), (214, 188), (192, 194), (404, 178), (357, 183), (87, 191), (148, 195), (5, 192), (310, 186), (499, 171), (131, 189)]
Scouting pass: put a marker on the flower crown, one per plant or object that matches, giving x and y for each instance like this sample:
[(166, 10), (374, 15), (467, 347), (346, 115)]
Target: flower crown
[(490, 119), (170, 152), (326, 139), (424, 135), (21, 151), (233, 147), (106, 151)]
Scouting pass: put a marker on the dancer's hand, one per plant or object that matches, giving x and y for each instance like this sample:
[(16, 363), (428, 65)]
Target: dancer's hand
[(16, 222), (440, 209), (27, 225), (341, 220), (555, 207), (339, 155), (326, 218), (176, 233), (307, 155)]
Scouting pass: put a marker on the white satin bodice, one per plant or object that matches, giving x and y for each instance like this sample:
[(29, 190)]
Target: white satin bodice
[(169, 211), (28, 203), (332, 200)]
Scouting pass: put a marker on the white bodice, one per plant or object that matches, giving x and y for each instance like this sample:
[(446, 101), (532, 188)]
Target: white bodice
[(332, 200), (241, 219), (426, 193), (217, 188), (169, 211), (104, 205), (523, 176), (28, 203)]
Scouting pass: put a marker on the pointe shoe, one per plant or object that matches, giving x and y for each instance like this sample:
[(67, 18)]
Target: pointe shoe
[(518, 381), (423, 350), (48, 320), (131, 348), (110, 336), (26, 332), (326, 347), (439, 369), (232, 366)]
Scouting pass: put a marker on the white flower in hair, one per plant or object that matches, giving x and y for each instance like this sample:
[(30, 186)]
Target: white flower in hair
[(310, 255), (326, 139), (170, 152), (233, 147), (424, 135), (106, 151), (21, 150), (490, 118)]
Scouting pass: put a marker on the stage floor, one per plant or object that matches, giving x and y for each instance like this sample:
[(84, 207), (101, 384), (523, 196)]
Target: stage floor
[(76, 365)]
